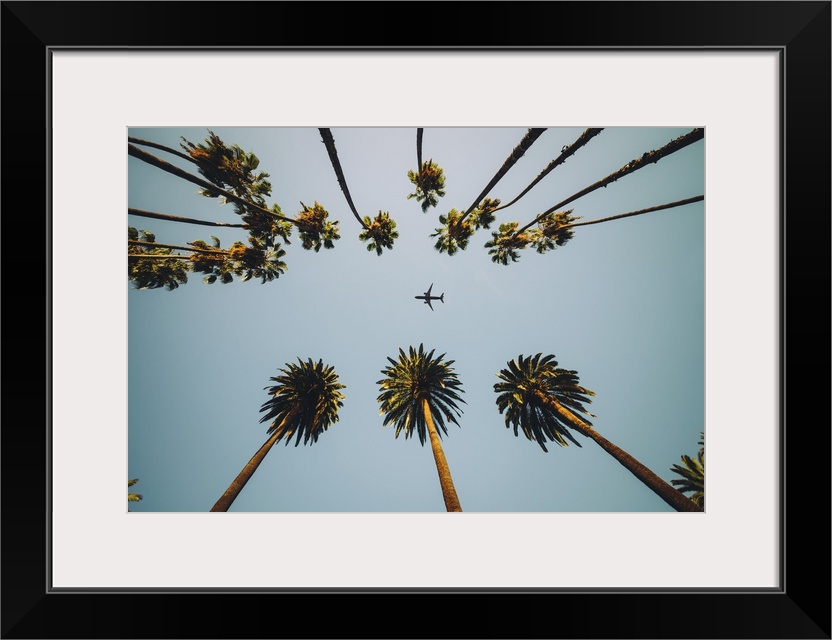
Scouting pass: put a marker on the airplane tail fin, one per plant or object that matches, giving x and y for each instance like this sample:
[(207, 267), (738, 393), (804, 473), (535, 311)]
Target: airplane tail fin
[(442, 298)]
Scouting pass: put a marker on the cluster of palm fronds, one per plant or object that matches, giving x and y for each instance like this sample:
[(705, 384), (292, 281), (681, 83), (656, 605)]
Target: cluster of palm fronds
[(692, 472), (133, 497)]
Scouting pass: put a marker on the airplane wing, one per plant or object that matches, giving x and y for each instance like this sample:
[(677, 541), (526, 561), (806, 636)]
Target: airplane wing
[(428, 302), (427, 293)]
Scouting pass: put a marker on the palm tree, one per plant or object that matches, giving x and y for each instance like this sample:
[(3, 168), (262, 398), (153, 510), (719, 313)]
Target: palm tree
[(303, 403), (509, 236), (132, 497), (152, 265), (230, 172), (382, 230), (454, 234), (430, 179), (418, 393), (545, 401), (234, 181), (554, 229), (693, 475)]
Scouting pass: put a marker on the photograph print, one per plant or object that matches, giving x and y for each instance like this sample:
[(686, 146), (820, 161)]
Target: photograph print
[(379, 320)]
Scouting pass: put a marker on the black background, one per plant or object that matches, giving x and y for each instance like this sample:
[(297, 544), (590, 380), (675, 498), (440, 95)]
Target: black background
[(801, 609)]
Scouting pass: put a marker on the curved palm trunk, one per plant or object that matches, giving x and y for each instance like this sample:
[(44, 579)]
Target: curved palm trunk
[(161, 147), (245, 475), (141, 243), (166, 166), (445, 480), (166, 216), (660, 207), (329, 143), (516, 154), (649, 157), (585, 137), (664, 490)]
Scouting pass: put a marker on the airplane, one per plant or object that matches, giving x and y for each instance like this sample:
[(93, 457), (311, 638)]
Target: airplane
[(427, 297)]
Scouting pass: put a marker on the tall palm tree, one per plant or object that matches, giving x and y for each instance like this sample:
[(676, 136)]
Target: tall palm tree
[(247, 195), (454, 232), (230, 172), (419, 392), (429, 178), (152, 265), (554, 229), (303, 403), (544, 401), (692, 471), (381, 231)]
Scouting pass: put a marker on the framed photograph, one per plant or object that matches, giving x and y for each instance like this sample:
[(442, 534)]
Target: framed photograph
[(670, 329)]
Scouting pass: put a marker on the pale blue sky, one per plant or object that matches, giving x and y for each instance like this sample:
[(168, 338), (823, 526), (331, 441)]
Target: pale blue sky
[(622, 303)]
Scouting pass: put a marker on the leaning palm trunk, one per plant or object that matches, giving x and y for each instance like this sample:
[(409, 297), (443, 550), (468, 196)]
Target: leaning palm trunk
[(445, 480), (569, 151), (245, 475), (660, 207), (329, 143), (171, 218), (158, 245), (516, 154), (664, 490), (166, 166), (161, 147), (649, 157)]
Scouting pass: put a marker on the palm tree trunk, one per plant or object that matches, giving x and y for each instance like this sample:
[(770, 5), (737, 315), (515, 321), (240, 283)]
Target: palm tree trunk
[(162, 256), (245, 475), (664, 490), (649, 157), (516, 154), (166, 216), (141, 243), (161, 147), (419, 134), (329, 143), (660, 207), (445, 480), (569, 151), (166, 166)]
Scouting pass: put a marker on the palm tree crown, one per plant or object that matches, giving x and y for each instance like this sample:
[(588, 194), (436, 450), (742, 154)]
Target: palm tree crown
[(133, 497), (692, 472), (414, 378), (304, 402), (525, 393)]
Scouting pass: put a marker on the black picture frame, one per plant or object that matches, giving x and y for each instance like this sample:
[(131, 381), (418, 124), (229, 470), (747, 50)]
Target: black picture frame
[(800, 31)]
